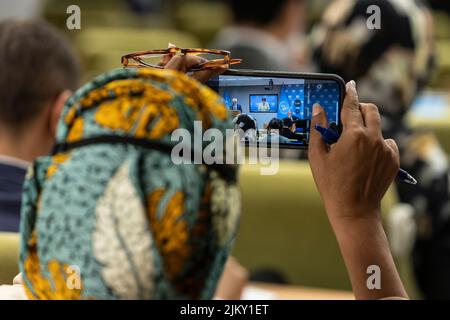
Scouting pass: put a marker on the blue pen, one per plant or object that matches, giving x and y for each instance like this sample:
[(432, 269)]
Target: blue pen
[(331, 136)]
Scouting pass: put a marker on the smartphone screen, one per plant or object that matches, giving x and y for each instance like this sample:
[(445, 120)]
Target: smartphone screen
[(270, 107)]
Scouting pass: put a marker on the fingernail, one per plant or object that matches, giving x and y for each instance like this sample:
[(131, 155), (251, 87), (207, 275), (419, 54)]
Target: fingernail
[(316, 109), (352, 83)]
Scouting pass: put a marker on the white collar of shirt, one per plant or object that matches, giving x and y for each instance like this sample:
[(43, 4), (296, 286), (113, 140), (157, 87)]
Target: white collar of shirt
[(16, 162)]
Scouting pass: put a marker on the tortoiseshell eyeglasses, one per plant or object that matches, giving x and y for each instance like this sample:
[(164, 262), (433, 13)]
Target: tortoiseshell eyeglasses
[(213, 59)]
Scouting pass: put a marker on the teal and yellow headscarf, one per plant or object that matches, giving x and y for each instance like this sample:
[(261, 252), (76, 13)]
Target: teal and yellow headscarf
[(108, 215)]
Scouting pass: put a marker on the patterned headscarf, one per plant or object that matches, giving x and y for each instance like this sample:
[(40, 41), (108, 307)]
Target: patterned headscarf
[(109, 215), (390, 64)]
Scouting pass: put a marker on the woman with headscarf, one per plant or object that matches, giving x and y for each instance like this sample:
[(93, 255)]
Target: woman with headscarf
[(392, 64), (110, 216)]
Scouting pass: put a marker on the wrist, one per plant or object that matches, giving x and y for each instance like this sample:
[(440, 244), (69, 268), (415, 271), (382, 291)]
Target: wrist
[(363, 244), (351, 229), (347, 213)]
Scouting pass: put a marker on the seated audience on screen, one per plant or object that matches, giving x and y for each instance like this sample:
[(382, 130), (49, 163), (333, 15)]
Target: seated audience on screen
[(39, 70), (246, 125), (273, 132), (289, 128)]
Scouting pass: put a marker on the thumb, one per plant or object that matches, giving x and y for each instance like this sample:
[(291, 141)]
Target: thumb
[(317, 147)]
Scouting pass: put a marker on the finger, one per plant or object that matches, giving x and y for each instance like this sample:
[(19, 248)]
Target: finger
[(205, 75), (166, 58), (317, 147), (371, 117), (176, 63), (351, 114), (184, 63), (18, 279)]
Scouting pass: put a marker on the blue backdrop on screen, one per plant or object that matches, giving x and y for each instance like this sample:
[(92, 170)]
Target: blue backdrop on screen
[(291, 99), (324, 93)]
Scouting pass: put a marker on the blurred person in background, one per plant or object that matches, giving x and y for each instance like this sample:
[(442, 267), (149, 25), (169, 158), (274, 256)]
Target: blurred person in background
[(24, 9), (392, 65), (261, 33), (39, 71)]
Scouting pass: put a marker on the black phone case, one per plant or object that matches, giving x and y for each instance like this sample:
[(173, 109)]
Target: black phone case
[(294, 75)]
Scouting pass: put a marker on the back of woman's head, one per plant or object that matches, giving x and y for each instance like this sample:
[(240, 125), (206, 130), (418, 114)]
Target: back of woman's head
[(275, 124), (111, 205)]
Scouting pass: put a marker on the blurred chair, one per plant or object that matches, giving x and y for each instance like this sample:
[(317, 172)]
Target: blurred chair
[(101, 47), (441, 25), (284, 227), (9, 257)]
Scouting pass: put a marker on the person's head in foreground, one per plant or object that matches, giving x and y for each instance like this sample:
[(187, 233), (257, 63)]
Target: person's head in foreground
[(110, 206), (39, 70)]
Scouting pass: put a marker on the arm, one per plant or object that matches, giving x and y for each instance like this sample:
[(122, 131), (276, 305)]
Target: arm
[(233, 281), (352, 177), (364, 243)]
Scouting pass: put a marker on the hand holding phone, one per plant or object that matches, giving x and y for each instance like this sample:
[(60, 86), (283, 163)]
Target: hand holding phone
[(358, 169), (352, 177)]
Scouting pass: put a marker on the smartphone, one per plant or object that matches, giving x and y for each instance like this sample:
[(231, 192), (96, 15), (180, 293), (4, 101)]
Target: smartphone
[(270, 106)]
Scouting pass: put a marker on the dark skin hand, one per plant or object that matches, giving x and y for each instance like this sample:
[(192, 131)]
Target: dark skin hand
[(352, 177)]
